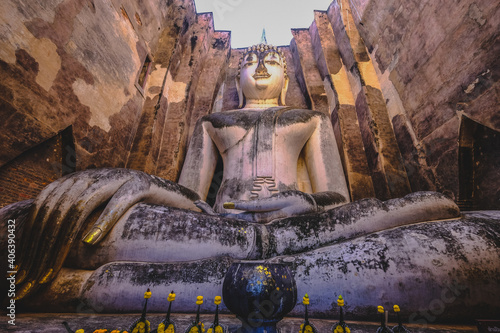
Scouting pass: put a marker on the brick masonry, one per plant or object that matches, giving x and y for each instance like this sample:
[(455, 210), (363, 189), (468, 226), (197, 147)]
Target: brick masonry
[(24, 177)]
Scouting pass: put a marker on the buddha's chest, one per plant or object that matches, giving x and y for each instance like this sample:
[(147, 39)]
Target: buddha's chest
[(255, 135)]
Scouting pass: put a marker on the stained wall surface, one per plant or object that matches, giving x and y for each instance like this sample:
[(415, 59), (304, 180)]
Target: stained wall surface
[(436, 62), (75, 63), (394, 76)]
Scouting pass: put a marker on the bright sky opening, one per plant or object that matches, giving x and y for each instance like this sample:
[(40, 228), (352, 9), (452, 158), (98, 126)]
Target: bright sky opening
[(246, 19)]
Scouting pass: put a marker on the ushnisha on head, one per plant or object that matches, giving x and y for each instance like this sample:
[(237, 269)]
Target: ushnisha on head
[(262, 80)]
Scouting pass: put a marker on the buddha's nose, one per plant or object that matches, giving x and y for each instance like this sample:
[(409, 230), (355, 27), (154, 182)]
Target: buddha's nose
[(261, 69)]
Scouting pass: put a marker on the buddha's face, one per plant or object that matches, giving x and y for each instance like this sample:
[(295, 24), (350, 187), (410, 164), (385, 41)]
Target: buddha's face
[(262, 75)]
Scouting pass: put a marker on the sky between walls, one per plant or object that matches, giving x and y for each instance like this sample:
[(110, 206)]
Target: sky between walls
[(247, 18)]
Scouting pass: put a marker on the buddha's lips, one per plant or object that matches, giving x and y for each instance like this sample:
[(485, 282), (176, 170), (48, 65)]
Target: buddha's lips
[(261, 76)]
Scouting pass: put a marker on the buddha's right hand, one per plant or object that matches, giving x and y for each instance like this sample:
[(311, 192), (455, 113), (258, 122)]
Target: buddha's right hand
[(61, 209), (284, 204)]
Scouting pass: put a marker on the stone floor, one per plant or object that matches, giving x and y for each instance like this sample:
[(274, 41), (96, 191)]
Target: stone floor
[(48, 323)]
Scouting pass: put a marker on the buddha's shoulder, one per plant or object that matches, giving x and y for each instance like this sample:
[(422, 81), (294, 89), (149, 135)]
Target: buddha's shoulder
[(301, 116), (240, 118), (303, 112), (247, 118)]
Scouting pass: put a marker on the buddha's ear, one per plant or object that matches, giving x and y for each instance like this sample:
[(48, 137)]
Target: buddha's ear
[(283, 91), (240, 93)]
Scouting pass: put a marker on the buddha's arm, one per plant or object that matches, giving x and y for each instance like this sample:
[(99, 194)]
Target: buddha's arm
[(324, 165), (200, 162)]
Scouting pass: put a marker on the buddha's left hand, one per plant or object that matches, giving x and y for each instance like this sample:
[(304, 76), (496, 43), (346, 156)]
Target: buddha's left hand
[(284, 204)]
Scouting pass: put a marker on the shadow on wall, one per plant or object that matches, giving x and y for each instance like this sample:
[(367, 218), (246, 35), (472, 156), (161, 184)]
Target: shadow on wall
[(479, 158)]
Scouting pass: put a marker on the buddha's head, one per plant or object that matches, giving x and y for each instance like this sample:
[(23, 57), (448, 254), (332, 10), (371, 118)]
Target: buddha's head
[(262, 80)]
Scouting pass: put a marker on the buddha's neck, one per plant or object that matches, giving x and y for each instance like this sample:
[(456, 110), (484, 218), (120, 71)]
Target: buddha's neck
[(261, 103)]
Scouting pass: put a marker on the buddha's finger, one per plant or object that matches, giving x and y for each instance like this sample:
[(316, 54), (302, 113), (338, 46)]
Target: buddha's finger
[(29, 233), (258, 217), (45, 210), (205, 207), (141, 188), (59, 200), (46, 192), (38, 203), (129, 193), (259, 205), (72, 205)]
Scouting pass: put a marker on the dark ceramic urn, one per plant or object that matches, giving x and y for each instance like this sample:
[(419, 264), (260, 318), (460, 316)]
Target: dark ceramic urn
[(259, 293)]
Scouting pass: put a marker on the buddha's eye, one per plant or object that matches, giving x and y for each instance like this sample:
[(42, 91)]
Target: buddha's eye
[(272, 62), (250, 60)]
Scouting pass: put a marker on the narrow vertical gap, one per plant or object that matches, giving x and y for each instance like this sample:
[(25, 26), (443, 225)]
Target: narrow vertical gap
[(466, 165), (141, 81), (479, 157), (68, 160), (216, 182)]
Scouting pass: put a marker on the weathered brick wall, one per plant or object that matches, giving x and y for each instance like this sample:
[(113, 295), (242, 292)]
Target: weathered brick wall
[(437, 61), (25, 176), (76, 63)]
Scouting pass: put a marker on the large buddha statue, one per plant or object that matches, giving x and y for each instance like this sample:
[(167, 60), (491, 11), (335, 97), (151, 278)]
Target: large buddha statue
[(156, 233)]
